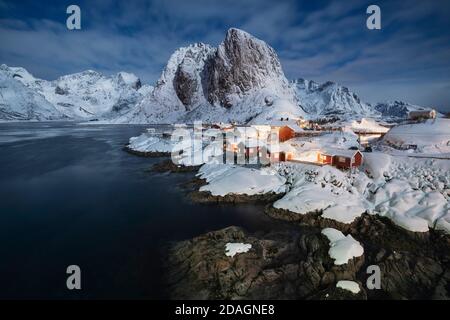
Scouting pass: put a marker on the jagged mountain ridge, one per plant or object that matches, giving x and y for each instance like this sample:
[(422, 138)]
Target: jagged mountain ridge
[(84, 95)]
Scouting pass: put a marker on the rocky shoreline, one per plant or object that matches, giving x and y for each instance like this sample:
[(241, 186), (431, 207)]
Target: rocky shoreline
[(207, 197), (147, 154), (295, 264), (169, 166)]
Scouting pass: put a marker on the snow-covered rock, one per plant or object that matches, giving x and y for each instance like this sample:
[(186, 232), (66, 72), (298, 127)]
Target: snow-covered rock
[(231, 249), (342, 248), (226, 179), (324, 189), (429, 137), (150, 142)]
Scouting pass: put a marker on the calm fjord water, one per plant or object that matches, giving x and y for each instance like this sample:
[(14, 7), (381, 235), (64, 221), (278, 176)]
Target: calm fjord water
[(70, 195)]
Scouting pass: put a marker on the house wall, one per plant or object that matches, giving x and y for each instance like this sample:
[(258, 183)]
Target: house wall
[(324, 159), (341, 162), (357, 160)]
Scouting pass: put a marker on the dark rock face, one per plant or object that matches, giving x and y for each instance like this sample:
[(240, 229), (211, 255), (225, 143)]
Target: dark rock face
[(169, 166), (207, 197), (189, 71), (137, 85), (294, 264), (148, 154), (280, 265), (241, 63), (185, 85), (60, 91)]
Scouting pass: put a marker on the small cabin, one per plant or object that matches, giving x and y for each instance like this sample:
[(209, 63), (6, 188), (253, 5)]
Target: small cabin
[(340, 158), (422, 114)]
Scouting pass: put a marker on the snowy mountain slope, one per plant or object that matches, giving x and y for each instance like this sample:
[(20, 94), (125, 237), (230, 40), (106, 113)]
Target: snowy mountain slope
[(86, 94), (178, 90), (330, 100), (278, 109), (18, 102), (228, 83)]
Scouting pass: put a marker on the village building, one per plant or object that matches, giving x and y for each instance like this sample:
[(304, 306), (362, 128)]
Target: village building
[(287, 129), (340, 158), (276, 152)]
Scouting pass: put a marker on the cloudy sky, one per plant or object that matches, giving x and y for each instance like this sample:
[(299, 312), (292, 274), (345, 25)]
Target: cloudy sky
[(408, 59)]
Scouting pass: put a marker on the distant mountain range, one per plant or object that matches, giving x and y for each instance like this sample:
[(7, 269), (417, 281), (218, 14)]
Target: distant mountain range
[(241, 80)]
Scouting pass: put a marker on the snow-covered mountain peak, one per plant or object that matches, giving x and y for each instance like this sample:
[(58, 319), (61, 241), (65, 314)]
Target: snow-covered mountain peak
[(330, 99)]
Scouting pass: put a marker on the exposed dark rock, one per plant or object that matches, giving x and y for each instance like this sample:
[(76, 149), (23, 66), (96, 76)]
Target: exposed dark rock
[(207, 197), (296, 264), (60, 91), (280, 265), (169, 166), (241, 63)]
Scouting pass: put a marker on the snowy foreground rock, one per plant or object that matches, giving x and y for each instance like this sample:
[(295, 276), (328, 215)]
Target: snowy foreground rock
[(225, 179), (427, 138), (295, 264), (342, 248), (150, 142)]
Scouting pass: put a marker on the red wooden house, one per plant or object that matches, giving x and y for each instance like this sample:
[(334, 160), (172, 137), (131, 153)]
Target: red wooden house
[(340, 158)]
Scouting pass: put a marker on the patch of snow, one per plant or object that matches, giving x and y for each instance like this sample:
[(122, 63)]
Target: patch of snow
[(231, 249), (351, 286), (342, 248), (367, 125)]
